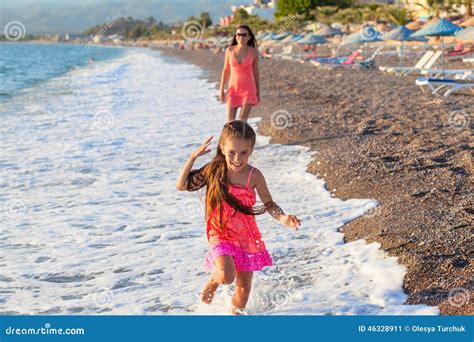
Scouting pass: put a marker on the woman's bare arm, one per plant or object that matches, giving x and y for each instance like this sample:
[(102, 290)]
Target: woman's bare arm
[(256, 74), (225, 74)]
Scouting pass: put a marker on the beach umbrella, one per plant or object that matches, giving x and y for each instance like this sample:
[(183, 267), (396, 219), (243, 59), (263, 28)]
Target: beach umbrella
[(296, 37), (268, 36), (287, 39), (326, 31), (466, 35), (400, 34), (312, 39), (281, 35), (366, 35), (441, 28), (260, 35)]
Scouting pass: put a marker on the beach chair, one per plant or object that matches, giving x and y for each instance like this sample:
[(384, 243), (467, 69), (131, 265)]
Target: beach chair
[(457, 73), (336, 61), (437, 85), (468, 60), (427, 66), (419, 65), (370, 62), (285, 53)]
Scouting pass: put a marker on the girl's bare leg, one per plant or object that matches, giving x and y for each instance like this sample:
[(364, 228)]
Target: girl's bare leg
[(224, 274), (245, 112), (231, 114), (243, 285)]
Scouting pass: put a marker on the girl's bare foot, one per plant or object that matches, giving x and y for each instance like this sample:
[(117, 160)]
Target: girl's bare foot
[(237, 311), (208, 292)]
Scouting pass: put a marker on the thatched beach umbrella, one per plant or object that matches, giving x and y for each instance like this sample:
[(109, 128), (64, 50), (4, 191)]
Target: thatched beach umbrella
[(441, 28), (466, 35), (326, 31), (366, 35), (281, 35), (261, 34), (312, 39), (400, 34), (268, 36)]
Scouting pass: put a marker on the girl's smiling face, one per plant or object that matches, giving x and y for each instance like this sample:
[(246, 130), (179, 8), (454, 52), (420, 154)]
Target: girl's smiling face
[(237, 152)]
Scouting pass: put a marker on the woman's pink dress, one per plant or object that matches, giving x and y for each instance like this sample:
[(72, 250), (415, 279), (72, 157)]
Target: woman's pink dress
[(242, 88), (240, 238)]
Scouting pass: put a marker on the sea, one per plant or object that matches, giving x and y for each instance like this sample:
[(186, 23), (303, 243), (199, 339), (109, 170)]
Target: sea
[(92, 140)]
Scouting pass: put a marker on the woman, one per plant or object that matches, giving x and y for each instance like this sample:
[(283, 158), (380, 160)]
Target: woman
[(241, 64)]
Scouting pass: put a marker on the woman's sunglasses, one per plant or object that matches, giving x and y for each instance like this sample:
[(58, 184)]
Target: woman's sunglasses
[(241, 34)]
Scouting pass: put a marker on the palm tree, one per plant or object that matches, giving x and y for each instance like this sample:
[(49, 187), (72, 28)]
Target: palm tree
[(325, 14), (398, 16)]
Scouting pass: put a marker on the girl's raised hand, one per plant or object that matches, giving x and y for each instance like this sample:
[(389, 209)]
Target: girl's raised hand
[(203, 149), (290, 221)]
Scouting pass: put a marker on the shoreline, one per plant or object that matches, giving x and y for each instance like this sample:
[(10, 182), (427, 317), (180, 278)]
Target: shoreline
[(371, 144)]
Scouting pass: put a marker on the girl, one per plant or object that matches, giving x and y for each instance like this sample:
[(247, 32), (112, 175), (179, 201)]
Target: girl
[(241, 63), (236, 246)]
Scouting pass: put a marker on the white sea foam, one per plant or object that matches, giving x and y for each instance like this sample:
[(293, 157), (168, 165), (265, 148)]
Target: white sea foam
[(93, 224)]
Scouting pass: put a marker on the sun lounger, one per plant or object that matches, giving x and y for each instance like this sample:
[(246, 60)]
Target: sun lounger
[(336, 60), (427, 66), (370, 62), (440, 73), (468, 60), (418, 66), (436, 85)]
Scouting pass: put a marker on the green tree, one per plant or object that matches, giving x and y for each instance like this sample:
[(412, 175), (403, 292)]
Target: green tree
[(325, 14), (205, 19), (306, 7), (241, 16), (397, 15), (151, 20), (137, 32)]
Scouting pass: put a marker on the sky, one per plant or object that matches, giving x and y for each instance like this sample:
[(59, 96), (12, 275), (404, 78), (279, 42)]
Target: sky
[(62, 16)]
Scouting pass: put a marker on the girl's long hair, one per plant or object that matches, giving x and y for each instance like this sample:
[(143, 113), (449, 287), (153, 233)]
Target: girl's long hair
[(213, 175), (251, 42)]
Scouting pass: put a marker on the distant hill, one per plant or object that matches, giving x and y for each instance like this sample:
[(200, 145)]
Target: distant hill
[(60, 17)]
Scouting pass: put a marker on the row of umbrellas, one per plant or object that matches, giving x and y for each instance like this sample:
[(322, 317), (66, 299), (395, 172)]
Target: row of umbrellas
[(440, 28)]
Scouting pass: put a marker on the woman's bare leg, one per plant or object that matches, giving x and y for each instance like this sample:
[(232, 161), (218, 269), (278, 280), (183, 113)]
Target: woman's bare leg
[(231, 113), (243, 285), (245, 112), (224, 274)]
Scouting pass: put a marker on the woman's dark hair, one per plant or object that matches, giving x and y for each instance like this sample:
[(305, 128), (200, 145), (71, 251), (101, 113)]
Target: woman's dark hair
[(251, 42)]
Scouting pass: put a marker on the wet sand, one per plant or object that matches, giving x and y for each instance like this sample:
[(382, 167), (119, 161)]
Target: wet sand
[(378, 136)]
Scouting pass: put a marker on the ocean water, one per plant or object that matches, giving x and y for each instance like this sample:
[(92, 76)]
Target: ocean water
[(91, 223), (26, 65)]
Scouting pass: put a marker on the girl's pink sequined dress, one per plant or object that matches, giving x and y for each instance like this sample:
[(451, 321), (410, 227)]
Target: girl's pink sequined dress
[(240, 238)]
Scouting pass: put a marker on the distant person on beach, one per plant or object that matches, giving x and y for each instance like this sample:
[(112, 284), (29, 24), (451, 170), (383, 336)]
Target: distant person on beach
[(236, 246), (241, 70)]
